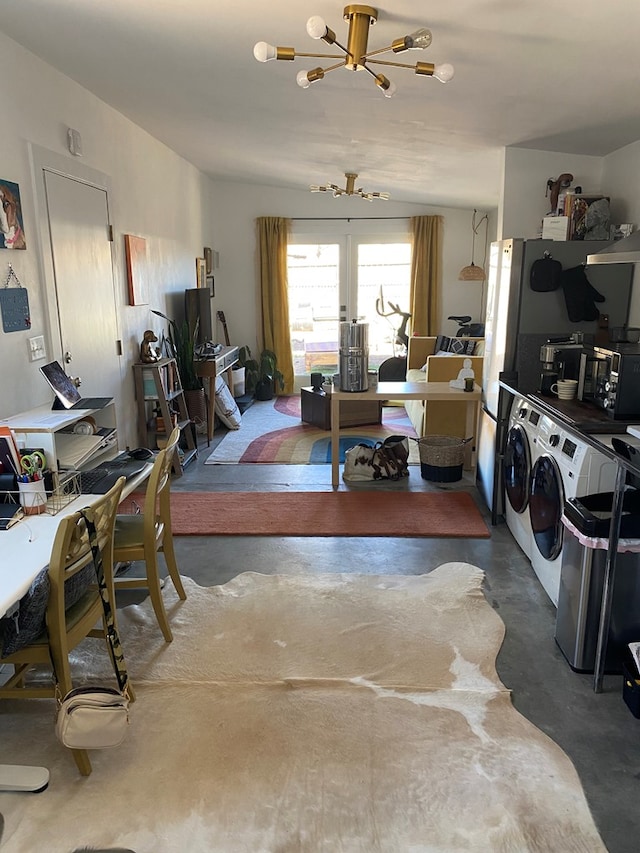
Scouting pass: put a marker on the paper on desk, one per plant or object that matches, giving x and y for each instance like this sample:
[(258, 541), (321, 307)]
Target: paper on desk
[(74, 450)]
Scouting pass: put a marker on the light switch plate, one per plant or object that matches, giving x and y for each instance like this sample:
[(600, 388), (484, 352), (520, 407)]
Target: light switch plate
[(36, 348)]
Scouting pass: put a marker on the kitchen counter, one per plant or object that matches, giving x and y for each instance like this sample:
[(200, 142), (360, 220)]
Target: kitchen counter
[(584, 417)]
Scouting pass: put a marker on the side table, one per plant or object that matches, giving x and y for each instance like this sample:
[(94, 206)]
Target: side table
[(316, 409)]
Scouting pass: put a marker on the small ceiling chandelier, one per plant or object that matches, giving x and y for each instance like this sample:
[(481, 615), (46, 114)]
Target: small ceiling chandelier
[(471, 272), (356, 55), (348, 190)]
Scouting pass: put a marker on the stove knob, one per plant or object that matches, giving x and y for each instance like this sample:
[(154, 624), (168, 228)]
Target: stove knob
[(522, 413), (606, 402), (554, 440)]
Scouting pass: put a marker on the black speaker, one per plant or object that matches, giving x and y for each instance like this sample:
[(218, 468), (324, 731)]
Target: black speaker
[(197, 307), (316, 381)]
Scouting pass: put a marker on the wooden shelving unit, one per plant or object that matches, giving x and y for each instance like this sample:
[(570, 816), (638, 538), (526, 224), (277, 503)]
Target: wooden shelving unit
[(160, 395)]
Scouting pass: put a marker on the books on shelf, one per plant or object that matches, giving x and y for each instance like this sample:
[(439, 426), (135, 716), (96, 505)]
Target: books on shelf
[(588, 215), (167, 376)]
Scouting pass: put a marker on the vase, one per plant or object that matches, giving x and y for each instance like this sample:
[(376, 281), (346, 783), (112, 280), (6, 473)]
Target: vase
[(264, 389)]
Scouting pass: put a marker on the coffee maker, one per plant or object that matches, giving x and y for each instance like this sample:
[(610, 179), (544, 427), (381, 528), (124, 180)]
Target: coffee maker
[(560, 359)]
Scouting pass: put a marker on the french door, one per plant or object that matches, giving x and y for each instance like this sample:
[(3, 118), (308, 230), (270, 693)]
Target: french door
[(333, 279)]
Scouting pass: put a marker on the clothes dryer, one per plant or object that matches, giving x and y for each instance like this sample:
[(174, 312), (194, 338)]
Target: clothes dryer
[(519, 456), (565, 467)]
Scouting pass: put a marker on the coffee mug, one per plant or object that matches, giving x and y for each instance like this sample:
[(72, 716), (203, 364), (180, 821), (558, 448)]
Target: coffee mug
[(565, 388)]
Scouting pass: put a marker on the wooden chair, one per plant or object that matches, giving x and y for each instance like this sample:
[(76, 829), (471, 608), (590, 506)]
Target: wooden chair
[(142, 536), (66, 627)]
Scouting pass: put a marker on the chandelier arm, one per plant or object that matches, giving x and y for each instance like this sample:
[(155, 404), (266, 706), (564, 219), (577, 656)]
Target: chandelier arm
[(320, 55), (378, 51), (395, 64), (333, 67)]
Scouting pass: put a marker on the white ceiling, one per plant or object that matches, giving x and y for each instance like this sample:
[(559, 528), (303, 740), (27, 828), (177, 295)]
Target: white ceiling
[(552, 74)]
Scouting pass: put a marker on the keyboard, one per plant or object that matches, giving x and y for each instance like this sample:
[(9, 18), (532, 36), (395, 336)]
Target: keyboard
[(98, 481), (92, 403)]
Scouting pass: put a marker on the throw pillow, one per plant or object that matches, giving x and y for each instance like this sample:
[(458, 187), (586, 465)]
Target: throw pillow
[(226, 407), (462, 346)]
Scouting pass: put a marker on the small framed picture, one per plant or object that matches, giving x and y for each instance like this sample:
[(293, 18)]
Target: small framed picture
[(211, 285), (201, 272)]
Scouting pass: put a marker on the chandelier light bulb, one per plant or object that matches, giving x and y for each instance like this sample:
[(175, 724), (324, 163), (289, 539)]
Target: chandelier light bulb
[(419, 40), (316, 27), (444, 72), (303, 80), (263, 51), (389, 92)]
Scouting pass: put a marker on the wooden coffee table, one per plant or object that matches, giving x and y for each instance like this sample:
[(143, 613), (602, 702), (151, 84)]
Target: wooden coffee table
[(316, 410)]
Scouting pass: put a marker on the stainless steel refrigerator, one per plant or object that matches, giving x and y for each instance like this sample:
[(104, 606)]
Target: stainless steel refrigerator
[(519, 321)]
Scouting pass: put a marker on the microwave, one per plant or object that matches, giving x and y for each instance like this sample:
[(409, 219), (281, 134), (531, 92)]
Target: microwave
[(610, 379)]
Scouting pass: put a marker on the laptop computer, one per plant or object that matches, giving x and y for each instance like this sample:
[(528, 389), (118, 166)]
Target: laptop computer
[(67, 395), (98, 480)]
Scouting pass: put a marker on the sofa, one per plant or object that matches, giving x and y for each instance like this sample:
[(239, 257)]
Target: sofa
[(424, 365)]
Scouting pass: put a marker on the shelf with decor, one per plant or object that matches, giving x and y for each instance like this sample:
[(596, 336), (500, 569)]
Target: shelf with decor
[(162, 407)]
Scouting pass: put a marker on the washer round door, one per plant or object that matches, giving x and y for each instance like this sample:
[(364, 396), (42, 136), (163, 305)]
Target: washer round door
[(546, 502), (517, 468)]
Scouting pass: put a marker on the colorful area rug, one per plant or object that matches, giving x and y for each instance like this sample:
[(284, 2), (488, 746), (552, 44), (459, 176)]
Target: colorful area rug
[(353, 513), (272, 432), (295, 713)]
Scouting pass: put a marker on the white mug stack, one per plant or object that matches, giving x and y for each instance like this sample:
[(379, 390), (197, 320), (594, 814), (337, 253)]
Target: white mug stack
[(566, 389)]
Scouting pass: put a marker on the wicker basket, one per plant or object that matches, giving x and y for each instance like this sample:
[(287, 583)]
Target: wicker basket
[(441, 457)]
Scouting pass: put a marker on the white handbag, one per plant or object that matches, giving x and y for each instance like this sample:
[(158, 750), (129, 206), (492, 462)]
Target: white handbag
[(92, 718)]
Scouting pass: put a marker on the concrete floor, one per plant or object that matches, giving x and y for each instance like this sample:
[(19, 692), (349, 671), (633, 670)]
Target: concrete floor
[(597, 731)]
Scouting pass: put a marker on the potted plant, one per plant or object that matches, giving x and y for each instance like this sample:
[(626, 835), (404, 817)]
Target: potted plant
[(261, 375), (180, 344)]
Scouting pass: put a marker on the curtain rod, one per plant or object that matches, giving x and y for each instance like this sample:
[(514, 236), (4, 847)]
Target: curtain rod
[(344, 218)]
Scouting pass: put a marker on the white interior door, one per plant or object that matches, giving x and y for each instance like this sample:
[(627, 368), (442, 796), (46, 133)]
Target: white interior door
[(78, 221)]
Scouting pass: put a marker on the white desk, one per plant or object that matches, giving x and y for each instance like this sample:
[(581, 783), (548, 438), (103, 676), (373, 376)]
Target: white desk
[(403, 391), (26, 546)]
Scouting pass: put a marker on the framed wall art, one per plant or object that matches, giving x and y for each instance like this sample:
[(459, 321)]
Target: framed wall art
[(11, 225), (137, 269), (201, 272)]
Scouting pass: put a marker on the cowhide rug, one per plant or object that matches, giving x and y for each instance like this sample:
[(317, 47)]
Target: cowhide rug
[(295, 713)]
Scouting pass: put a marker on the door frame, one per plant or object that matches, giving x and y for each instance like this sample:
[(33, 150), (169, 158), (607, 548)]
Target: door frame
[(41, 159)]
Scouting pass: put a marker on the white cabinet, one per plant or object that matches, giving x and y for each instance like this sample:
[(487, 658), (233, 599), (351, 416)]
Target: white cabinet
[(53, 431)]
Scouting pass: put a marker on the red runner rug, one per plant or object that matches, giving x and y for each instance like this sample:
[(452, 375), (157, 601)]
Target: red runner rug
[(365, 513)]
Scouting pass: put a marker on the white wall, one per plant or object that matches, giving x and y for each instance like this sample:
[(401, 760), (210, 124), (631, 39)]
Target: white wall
[(237, 206), (155, 194), (621, 179)]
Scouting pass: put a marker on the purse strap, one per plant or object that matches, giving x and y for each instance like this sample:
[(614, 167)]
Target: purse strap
[(113, 639)]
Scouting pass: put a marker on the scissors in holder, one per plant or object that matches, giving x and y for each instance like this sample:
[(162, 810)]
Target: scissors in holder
[(33, 464)]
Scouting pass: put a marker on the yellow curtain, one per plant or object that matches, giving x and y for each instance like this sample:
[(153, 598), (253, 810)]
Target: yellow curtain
[(273, 232), (426, 274)]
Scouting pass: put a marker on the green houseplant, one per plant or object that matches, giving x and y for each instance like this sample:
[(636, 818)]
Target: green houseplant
[(261, 375), (181, 346)]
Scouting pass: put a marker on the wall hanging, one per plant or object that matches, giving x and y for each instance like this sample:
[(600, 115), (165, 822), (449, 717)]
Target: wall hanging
[(14, 303)]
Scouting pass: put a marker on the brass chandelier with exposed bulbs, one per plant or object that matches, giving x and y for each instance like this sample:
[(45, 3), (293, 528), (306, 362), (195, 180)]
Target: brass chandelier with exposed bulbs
[(357, 57), (348, 190)]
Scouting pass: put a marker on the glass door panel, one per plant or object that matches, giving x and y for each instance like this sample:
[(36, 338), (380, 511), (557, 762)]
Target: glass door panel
[(383, 275), (314, 302)]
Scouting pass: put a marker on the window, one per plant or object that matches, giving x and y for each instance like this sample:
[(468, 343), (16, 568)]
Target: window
[(337, 279)]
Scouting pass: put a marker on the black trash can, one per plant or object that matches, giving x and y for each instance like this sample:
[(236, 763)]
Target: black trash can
[(586, 520)]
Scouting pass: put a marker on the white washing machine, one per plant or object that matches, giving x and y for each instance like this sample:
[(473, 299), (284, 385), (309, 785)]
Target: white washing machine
[(519, 456), (565, 467)]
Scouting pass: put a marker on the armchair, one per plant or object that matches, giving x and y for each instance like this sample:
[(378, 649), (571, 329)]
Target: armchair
[(435, 417)]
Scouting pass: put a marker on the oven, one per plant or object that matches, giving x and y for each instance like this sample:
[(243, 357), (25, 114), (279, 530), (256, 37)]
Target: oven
[(610, 379)]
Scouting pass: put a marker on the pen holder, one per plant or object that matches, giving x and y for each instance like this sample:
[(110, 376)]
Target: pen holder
[(33, 497)]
